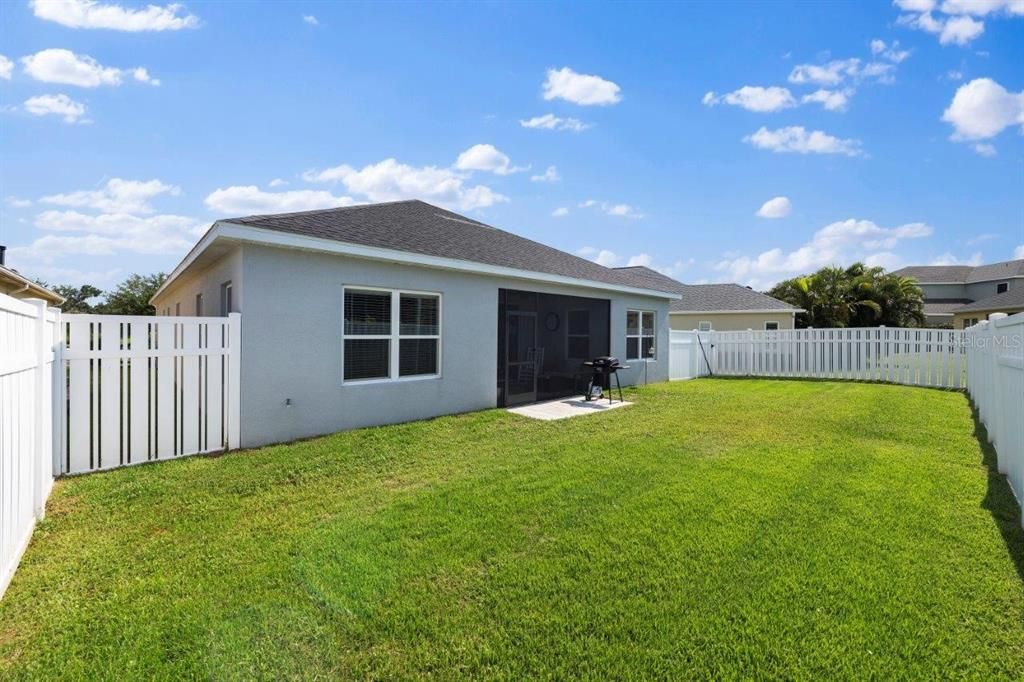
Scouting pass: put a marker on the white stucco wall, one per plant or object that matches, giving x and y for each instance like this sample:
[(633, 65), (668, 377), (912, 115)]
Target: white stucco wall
[(290, 302), (181, 294), (731, 322)]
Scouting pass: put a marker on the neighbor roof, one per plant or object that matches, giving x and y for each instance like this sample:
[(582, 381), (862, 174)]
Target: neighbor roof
[(1008, 301), (943, 306), (18, 281), (416, 227), (963, 274), (705, 297)]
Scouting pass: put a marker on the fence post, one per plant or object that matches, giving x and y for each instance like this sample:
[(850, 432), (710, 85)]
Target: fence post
[(234, 380), (58, 376), (39, 472)]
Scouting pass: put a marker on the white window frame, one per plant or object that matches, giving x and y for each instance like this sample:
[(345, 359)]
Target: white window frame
[(227, 294), (778, 326), (701, 323), (641, 336), (394, 337), (199, 304)]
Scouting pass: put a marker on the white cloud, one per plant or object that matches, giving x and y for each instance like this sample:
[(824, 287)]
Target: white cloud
[(277, 182), (486, 157), (796, 139), (310, 19), (610, 259), (116, 196), (57, 65), (250, 199), (552, 122), (560, 212), (839, 242), (58, 105), (1019, 252), (983, 7), (608, 208), (949, 259), (984, 149), (389, 180), (17, 202), (754, 98), (166, 228), (93, 14), (6, 68), (981, 238), (550, 175), (578, 88), (831, 100), (915, 5), (961, 30), (982, 109), (777, 207), (832, 73), (891, 52), (954, 75)]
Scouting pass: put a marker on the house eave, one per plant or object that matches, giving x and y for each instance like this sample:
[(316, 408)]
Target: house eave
[(235, 232), (757, 311)]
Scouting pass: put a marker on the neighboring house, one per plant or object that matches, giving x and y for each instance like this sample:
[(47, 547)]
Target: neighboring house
[(17, 286), (1009, 302), (399, 311), (950, 289), (719, 307)]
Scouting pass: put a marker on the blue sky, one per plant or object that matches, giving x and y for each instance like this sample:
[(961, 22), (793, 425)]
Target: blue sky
[(892, 131)]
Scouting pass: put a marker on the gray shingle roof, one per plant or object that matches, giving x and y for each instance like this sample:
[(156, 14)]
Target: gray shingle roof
[(418, 227), (963, 274), (704, 297), (943, 306), (1007, 301)]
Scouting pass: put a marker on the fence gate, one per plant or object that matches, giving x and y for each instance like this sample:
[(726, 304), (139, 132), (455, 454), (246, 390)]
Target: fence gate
[(141, 388)]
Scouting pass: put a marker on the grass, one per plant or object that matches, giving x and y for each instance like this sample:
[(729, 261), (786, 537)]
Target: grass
[(726, 528)]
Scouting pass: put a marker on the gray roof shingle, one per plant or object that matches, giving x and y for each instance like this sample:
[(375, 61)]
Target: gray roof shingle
[(963, 274), (418, 227), (1012, 300), (704, 297)]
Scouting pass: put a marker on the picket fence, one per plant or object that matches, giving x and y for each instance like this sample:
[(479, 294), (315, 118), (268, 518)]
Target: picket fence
[(916, 357), (995, 382), (29, 337), (144, 388)]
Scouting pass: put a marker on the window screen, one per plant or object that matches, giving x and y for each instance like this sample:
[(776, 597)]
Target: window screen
[(367, 313), (367, 358)]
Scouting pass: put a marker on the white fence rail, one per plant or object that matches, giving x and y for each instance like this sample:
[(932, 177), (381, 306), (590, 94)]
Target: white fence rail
[(995, 361), (144, 388), (917, 357), (28, 341)]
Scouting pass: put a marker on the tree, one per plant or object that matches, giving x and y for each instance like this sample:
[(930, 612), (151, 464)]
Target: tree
[(76, 299), (857, 296), (131, 297)]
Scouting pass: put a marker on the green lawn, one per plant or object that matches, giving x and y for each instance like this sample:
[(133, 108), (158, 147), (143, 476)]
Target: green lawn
[(719, 528)]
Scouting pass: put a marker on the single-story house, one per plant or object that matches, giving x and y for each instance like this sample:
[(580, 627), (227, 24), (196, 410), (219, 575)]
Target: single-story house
[(16, 285), (718, 307), (391, 312), (1010, 302)]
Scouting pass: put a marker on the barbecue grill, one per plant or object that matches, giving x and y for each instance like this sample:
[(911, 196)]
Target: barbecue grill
[(603, 369)]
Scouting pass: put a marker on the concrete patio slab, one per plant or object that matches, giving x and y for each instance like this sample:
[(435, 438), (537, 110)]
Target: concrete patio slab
[(564, 408)]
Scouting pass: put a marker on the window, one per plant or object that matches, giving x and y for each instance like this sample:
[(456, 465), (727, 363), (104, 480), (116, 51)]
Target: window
[(177, 309), (390, 334), (225, 299), (1002, 287), (703, 326), (639, 335), (577, 343), (199, 305), (771, 326)]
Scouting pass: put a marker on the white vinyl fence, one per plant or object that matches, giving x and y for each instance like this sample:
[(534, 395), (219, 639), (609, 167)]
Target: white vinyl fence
[(148, 388), (917, 357), (995, 361), (28, 341)]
